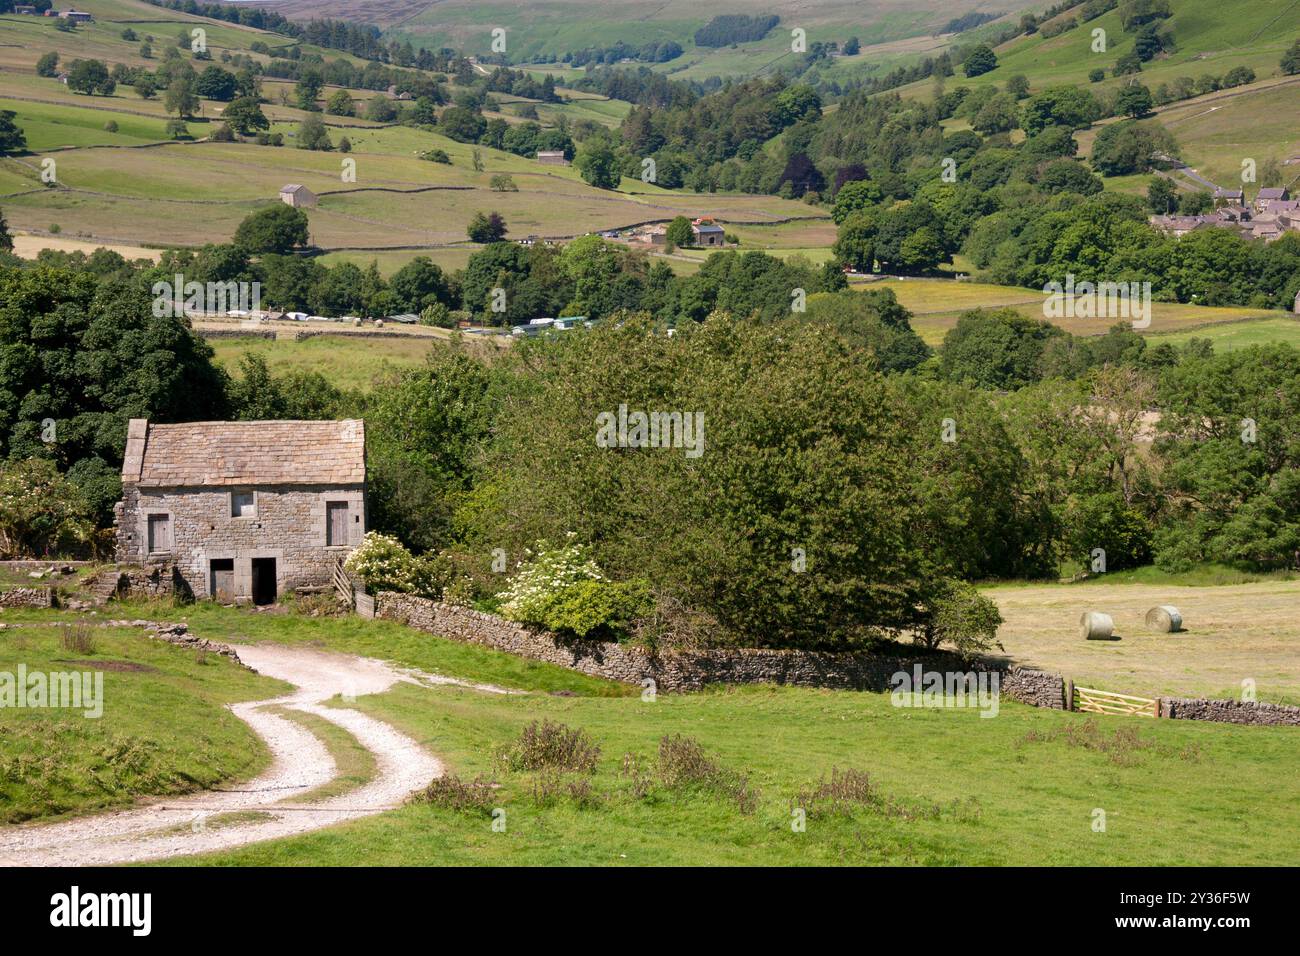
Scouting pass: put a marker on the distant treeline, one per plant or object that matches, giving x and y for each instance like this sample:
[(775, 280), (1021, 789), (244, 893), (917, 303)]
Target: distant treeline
[(243, 14), (646, 53), (967, 22), (360, 39), (734, 28)]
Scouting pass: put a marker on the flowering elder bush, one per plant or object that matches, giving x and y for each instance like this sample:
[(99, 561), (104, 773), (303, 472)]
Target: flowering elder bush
[(383, 564), (41, 512), (544, 574), (562, 589)]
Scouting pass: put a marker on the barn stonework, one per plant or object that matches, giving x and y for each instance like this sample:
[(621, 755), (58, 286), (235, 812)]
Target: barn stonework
[(243, 511)]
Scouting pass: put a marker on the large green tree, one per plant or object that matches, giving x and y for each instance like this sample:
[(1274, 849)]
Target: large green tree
[(599, 165), (80, 355), (245, 116), (90, 76), (278, 228), (12, 139)]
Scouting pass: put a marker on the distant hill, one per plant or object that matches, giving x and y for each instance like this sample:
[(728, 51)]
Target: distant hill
[(559, 26)]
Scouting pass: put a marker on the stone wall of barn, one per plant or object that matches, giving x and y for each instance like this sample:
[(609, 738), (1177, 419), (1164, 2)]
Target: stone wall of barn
[(289, 525)]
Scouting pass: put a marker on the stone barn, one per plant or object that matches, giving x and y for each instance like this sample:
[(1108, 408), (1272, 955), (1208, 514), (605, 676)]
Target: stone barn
[(243, 511), (707, 233), (297, 195)]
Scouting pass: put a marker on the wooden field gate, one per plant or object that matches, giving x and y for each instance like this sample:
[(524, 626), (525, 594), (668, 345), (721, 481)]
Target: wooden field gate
[(1089, 700), (343, 583)]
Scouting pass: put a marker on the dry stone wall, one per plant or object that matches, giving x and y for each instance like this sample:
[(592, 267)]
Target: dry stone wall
[(1230, 711), (27, 597), (692, 670)]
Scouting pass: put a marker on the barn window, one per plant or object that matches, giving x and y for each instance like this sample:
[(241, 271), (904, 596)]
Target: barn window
[(242, 504), (160, 533)]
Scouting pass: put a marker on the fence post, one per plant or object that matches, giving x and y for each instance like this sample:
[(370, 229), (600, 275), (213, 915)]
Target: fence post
[(1069, 693)]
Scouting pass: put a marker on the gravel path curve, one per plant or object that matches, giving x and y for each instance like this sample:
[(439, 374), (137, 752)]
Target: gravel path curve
[(172, 826)]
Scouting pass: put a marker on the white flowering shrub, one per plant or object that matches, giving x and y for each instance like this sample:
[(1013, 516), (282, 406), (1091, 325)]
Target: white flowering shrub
[(562, 590), (41, 512), (383, 564)]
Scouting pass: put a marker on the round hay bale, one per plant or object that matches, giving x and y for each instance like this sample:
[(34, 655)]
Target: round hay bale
[(1164, 618), (1095, 626)]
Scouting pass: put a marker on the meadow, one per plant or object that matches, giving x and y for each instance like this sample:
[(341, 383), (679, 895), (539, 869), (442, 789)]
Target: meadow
[(1232, 632), (164, 728), (349, 363), (948, 787), (944, 786), (1228, 336), (937, 304)]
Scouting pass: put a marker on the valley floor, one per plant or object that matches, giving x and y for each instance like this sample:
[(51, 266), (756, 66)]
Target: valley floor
[(947, 787)]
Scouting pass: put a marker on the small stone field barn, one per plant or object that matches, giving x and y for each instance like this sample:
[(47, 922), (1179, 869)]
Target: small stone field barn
[(297, 195), (243, 511)]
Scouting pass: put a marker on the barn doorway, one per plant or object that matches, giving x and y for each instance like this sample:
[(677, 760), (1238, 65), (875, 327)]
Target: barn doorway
[(263, 580), (222, 585)]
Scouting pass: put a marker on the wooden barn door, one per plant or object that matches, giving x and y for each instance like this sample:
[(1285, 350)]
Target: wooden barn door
[(336, 525), (223, 580), (160, 533)]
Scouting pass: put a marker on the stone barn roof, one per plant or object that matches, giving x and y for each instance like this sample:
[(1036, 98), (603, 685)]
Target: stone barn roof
[(245, 453)]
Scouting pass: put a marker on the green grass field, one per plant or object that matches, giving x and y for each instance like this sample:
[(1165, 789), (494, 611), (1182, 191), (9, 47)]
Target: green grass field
[(936, 305), (346, 362), (1228, 336), (955, 789), (948, 787), (164, 728)]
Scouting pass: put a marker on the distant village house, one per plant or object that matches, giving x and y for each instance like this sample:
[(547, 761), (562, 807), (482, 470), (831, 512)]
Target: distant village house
[(1272, 215), (243, 511)]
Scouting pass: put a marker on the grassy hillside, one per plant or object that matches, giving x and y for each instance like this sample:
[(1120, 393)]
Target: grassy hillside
[(1216, 131), (190, 193), (1023, 791), (557, 26), (1208, 39)]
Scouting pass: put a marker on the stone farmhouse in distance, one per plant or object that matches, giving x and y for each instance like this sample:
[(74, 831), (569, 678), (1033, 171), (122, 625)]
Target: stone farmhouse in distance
[(243, 511)]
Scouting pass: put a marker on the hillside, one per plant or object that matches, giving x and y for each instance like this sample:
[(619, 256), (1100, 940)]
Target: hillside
[(1216, 130), (558, 26), (121, 179)]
